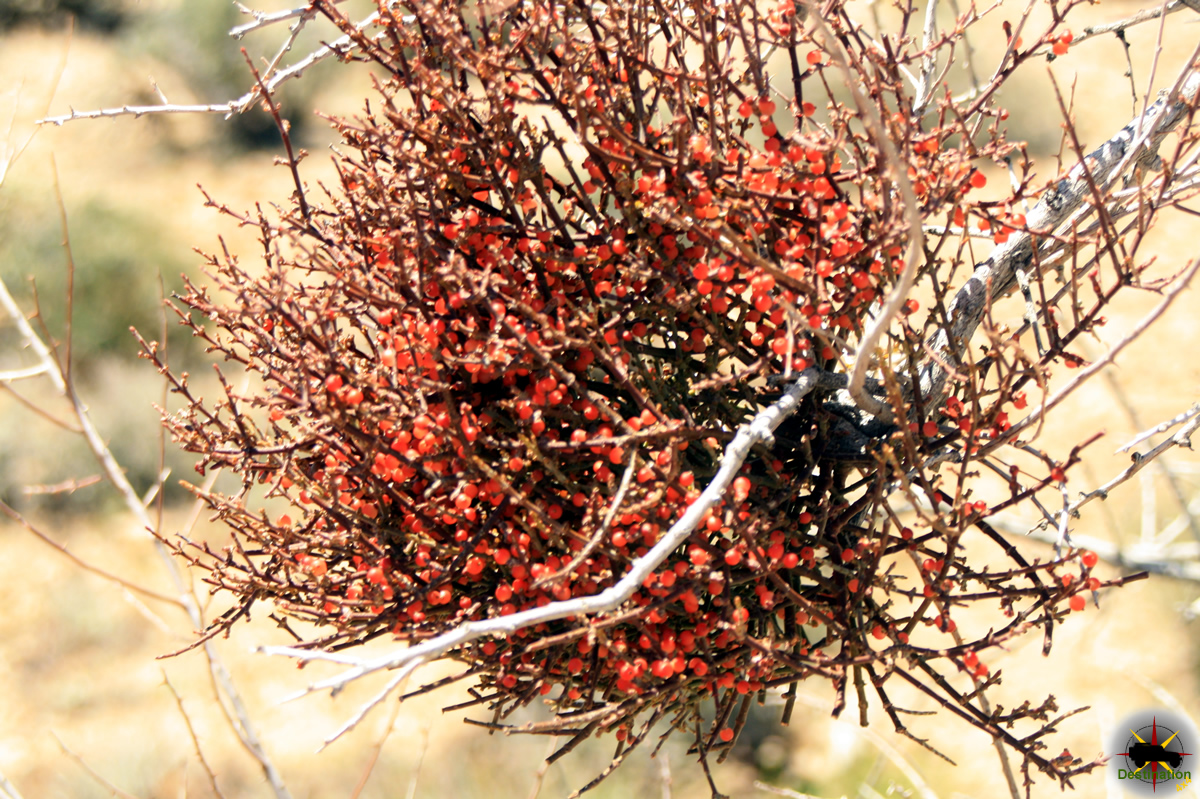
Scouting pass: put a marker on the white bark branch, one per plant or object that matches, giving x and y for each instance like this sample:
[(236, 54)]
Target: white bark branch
[(1145, 15), (243, 727), (1161, 428), (1138, 462), (8, 790), (263, 19), (928, 62), (760, 430), (878, 325), (339, 46), (1134, 146)]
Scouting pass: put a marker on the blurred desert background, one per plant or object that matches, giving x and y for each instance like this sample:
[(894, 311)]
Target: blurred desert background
[(87, 709)]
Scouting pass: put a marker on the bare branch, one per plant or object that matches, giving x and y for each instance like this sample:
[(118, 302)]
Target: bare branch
[(1039, 412), (212, 777), (263, 19), (1122, 25), (97, 776), (1162, 427), (996, 276), (8, 511), (397, 683), (759, 431), (340, 46), (8, 790), (377, 750), (1138, 462)]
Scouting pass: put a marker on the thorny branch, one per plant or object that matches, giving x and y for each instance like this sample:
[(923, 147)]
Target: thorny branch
[(1133, 148), (568, 238), (759, 431), (49, 366)]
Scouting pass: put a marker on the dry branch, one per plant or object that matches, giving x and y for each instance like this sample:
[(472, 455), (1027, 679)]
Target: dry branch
[(759, 431), (442, 452), (1133, 149), (572, 238)]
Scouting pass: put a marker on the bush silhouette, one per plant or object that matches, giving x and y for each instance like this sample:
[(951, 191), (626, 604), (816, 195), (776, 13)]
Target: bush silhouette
[(573, 251)]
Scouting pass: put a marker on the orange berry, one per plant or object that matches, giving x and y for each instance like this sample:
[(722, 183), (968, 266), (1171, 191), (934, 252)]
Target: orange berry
[(741, 488)]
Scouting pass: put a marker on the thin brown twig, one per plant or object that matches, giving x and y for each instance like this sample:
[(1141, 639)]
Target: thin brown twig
[(377, 750), (69, 291), (420, 764), (149, 593), (540, 776), (601, 534), (69, 486), (1037, 413), (212, 777), (97, 776)]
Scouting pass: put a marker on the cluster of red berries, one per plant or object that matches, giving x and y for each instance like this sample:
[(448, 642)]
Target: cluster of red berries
[(504, 357)]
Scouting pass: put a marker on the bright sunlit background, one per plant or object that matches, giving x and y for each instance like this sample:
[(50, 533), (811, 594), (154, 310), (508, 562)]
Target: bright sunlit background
[(86, 708)]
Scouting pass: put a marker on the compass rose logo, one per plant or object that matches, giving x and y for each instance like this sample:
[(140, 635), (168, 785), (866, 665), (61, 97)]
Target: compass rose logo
[(1154, 754)]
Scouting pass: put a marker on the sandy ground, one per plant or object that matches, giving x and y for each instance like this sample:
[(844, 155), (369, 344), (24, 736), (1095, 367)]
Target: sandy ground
[(81, 688)]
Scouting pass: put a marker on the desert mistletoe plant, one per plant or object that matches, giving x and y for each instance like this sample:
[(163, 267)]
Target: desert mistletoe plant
[(637, 364)]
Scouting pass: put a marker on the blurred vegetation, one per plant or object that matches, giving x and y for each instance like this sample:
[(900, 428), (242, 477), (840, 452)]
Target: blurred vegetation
[(119, 256), (194, 39), (100, 15), (121, 250)]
